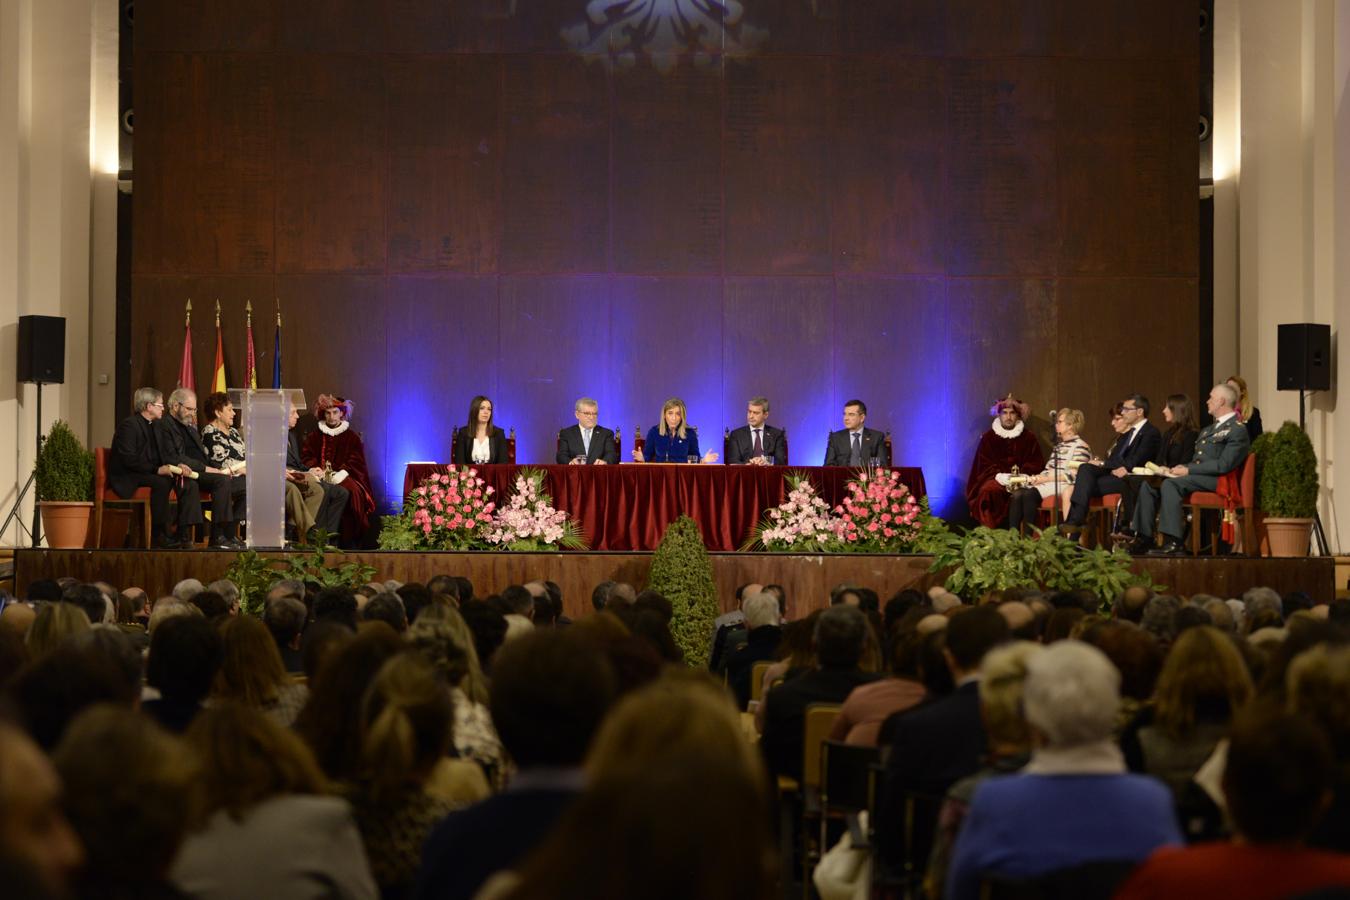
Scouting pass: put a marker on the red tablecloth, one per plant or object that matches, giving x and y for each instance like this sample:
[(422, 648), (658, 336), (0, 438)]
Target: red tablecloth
[(627, 507)]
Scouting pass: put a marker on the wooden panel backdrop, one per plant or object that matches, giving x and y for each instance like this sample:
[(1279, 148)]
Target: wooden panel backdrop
[(922, 204)]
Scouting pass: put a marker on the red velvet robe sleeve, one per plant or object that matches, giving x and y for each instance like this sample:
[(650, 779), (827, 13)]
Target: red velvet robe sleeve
[(346, 451), (987, 499)]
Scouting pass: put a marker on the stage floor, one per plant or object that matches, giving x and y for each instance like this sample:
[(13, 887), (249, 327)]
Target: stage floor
[(806, 579)]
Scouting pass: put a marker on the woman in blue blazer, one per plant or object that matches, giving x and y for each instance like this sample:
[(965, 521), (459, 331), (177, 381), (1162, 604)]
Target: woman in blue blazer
[(672, 440)]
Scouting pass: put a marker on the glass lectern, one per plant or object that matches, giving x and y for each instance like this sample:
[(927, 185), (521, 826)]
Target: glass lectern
[(266, 423)]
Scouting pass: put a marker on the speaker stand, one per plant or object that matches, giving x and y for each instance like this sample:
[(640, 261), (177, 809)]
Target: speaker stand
[(1318, 533), (36, 530)]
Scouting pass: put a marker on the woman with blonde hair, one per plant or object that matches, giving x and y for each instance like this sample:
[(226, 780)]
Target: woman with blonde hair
[(53, 624), (253, 674), (1247, 413), (406, 718), (263, 790), (1203, 683), (672, 439), (1070, 452), (677, 806)]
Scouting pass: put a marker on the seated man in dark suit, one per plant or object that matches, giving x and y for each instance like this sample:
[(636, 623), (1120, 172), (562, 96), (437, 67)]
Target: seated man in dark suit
[(841, 635), (1134, 448), (585, 443), (180, 443), (550, 691), (135, 462), (756, 443), (855, 445), (763, 635), (935, 745), (311, 501), (1220, 448)]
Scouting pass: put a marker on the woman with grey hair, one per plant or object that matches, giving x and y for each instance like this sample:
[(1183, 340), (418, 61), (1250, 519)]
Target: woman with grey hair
[(1074, 804)]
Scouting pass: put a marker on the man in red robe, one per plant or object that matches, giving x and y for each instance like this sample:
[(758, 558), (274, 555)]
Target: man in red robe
[(1006, 444), (339, 451)]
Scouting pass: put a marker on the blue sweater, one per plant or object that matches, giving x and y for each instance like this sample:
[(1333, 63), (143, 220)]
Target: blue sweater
[(1021, 826), (670, 447)]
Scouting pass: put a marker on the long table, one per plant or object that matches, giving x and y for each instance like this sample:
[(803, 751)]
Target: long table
[(628, 506)]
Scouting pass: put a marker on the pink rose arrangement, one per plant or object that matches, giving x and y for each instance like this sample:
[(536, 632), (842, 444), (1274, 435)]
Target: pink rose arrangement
[(879, 514), (450, 511), (803, 523), (529, 522)]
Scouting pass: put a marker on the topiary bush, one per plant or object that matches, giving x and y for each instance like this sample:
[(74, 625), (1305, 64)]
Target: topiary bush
[(1286, 473), (65, 469), (682, 573)]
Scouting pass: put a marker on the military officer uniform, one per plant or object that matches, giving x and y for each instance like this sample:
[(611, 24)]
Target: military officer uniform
[(1220, 448)]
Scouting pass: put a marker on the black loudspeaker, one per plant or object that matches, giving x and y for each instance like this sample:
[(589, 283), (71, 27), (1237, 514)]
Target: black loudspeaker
[(1304, 360), (42, 349)]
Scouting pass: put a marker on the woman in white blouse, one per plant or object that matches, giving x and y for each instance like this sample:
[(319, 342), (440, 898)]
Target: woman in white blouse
[(1070, 453), (480, 441)]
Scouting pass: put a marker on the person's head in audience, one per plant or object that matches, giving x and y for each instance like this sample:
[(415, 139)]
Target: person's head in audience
[(931, 622), (213, 606), (338, 604), (1294, 601), (331, 721), (132, 794), (228, 591), (406, 717), (387, 608), (444, 586), (555, 598), (781, 593), (285, 621), (934, 672), (185, 654), (1260, 599), (121, 650), (16, 618), (550, 692), (320, 641), (444, 635), (247, 757), (945, 601), (1191, 616), (1134, 653), (622, 594), (1002, 674), (1021, 620), (545, 615), (34, 830), (845, 594), (600, 594), (1160, 618), (671, 778), (654, 601), (488, 627), (88, 598), (1338, 612), (1203, 681), (1317, 685), (515, 600), (415, 598), (188, 588), (760, 610), (970, 635), (286, 587), (169, 608), (651, 627), (1220, 615), (840, 636), (465, 588), (1130, 606), (251, 670), (130, 609), (43, 589), (1278, 776), (53, 689), (1070, 695), (900, 604), (51, 626)]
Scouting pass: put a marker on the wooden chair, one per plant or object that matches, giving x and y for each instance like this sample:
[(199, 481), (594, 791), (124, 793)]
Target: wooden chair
[(1199, 501), (757, 680), (104, 496), (846, 783), (819, 720)]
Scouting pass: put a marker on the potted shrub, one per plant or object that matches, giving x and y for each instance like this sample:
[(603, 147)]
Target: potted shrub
[(65, 487), (1286, 488)]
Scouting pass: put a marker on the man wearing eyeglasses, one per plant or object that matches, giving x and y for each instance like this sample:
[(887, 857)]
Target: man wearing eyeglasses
[(181, 443), (1098, 478), (586, 443), (135, 462)]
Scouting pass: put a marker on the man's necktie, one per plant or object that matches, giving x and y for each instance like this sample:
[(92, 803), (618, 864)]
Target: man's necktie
[(855, 456), (586, 440), (757, 449)]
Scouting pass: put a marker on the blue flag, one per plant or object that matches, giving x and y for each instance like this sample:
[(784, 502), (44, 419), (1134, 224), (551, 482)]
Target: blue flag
[(276, 357)]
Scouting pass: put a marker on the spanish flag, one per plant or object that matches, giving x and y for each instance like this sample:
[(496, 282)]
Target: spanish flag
[(185, 379), (218, 379)]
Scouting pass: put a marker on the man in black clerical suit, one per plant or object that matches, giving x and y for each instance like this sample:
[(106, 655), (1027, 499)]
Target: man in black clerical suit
[(311, 502), (181, 444), (135, 462), (855, 445), (586, 443), (1134, 448), (757, 443)]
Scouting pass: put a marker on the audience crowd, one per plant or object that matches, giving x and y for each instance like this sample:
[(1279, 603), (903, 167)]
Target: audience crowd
[(419, 741)]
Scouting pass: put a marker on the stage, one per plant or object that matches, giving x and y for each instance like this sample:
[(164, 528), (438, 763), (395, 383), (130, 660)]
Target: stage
[(806, 578)]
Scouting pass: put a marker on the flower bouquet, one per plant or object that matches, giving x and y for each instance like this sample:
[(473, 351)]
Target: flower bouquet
[(802, 524), (529, 522), (447, 511), (879, 514)]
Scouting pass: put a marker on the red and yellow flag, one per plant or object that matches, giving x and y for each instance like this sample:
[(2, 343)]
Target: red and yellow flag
[(218, 376)]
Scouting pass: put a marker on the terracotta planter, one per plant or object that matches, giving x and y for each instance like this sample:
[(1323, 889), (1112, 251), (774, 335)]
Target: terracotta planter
[(66, 525), (1289, 537)]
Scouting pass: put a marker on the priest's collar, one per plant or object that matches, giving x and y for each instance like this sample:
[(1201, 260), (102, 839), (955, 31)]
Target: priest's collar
[(334, 432), (1008, 433)]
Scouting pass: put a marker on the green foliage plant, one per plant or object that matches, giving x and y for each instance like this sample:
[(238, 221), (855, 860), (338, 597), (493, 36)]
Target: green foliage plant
[(1286, 473), (65, 469), (311, 563), (682, 573)]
